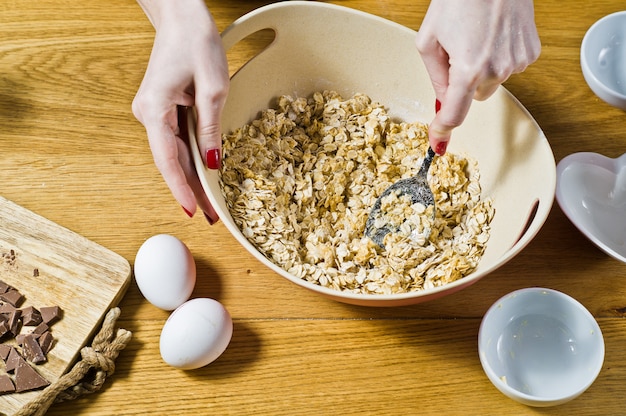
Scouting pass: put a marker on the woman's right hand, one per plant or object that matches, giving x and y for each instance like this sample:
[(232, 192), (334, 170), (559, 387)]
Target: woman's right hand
[(469, 48)]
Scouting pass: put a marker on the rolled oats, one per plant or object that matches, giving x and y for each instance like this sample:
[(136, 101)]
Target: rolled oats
[(300, 181)]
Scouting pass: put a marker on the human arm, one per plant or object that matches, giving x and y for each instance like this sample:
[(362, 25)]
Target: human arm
[(469, 48)]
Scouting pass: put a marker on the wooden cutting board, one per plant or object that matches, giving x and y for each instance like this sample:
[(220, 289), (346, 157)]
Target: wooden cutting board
[(51, 265)]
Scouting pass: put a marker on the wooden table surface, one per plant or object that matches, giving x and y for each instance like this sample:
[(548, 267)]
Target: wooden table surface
[(72, 151)]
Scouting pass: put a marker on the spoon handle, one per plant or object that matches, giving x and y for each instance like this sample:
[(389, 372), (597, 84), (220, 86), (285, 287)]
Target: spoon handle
[(426, 163), (431, 153)]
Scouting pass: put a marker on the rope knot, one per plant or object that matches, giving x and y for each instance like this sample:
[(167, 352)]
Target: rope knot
[(98, 360)]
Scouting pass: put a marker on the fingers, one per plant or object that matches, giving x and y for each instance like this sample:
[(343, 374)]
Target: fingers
[(436, 61), (166, 152), (211, 89), (208, 130), (188, 166), (455, 105)]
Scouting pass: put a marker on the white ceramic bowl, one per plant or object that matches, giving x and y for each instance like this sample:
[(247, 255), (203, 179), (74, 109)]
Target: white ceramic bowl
[(540, 347), (323, 46), (603, 58), (591, 191)]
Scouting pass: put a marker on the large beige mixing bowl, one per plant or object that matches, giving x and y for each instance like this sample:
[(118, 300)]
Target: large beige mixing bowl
[(320, 46)]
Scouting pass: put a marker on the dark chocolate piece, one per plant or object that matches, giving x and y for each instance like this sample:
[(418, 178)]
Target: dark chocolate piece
[(27, 378), (12, 360), (32, 351), (45, 342), (6, 308), (4, 328), (50, 314), (40, 329), (31, 316), (6, 384), (33, 344), (14, 322), (4, 351), (12, 296)]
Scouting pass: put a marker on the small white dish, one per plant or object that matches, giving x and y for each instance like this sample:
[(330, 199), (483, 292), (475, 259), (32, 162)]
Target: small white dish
[(540, 347), (591, 191), (603, 58)]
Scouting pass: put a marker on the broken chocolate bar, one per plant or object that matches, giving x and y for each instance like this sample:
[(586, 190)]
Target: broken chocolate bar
[(50, 314), (29, 328), (45, 342), (12, 360), (31, 316), (32, 350), (27, 378), (4, 327), (6, 308), (13, 322), (12, 296), (40, 329), (4, 351), (6, 384)]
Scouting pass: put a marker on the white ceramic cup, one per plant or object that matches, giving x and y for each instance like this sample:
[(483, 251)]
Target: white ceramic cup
[(603, 58)]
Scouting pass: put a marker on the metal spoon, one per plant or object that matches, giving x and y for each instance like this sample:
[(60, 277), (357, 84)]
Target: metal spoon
[(418, 190)]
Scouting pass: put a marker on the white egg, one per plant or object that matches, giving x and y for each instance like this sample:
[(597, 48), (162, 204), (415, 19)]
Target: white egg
[(196, 334), (165, 271)]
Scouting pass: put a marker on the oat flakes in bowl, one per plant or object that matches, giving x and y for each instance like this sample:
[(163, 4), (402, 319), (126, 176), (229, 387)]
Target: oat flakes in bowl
[(300, 181)]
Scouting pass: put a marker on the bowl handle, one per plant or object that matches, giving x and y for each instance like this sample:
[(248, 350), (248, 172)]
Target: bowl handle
[(287, 18), (251, 23)]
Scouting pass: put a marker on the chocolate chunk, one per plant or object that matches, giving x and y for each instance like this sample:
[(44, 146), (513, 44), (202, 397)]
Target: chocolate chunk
[(4, 327), (35, 272), (12, 360), (6, 308), (27, 378), (12, 296), (19, 339), (6, 384), (45, 342), (31, 316), (14, 322), (40, 329), (4, 351), (31, 350), (29, 328), (50, 314)]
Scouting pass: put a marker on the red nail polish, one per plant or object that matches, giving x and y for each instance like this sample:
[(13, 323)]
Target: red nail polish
[(440, 149), (210, 220), (213, 159), (437, 106), (189, 214)]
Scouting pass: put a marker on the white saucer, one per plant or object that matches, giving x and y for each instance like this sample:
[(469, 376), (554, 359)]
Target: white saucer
[(591, 191)]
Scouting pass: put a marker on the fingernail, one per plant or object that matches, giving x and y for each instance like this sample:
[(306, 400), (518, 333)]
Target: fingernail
[(440, 149), (189, 214), (209, 219), (213, 159), (437, 106)]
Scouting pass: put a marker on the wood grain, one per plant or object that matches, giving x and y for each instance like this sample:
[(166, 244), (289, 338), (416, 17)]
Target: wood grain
[(72, 151)]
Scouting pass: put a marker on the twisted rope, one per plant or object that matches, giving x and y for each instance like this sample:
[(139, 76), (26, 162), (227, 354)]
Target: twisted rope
[(99, 359)]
